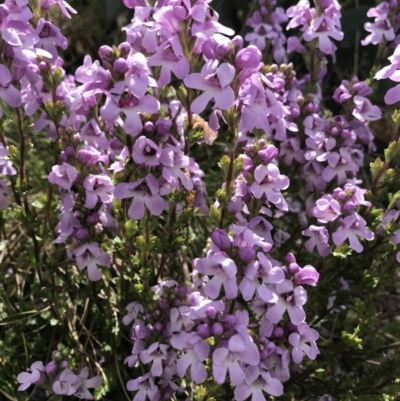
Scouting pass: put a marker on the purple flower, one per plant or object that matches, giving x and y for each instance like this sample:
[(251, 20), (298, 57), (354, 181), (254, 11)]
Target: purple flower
[(381, 28), (393, 95), (66, 383), (256, 381), (299, 342), (364, 110), (7, 91), (82, 392), (147, 152), (247, 238), (319, 237), (92, 134), (261, 31), (223, 271), (36, 375), (98, 187), (258, 275), (196, 351), (253, 106), (169, 55), (50, 36), (64, 176), (249, 57), (229, 359), (221, 239), (327, 209), (134, 308), (214, 80), (278, 362), (174, 161), (291, 300), (64, 6), (156, 353), (90, 255), (145, 192), (350, 228), (145, 387), (323, 27), (125, 101), (269, 181), (307, 275)]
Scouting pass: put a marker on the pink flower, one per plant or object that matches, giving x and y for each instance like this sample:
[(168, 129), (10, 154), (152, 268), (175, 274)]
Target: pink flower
[(36, 375), (169, 55), (256, 381), (319, 237), (214, 81), (156, 353), (269, 182), (145, 387), (364, 110), (291, 300), (50, 36), (64, 176), (223, 271), (258, 275), (145, 192), (90, 255), (299, 342), (323, 27), (7, 91), (98, 187), (83, 392), (230, 359), (125, 101), (196, 351), (351, 227)]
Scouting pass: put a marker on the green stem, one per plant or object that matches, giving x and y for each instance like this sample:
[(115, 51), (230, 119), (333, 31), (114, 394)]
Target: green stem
[(227, 185)]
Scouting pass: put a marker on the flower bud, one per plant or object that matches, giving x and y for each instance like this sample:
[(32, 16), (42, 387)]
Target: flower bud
[(93, 218), (249, 57), (158, 326), (106, 53), (221, 239), (180, 13), (229, 321), (223, 49), (181, 292), (148, 126), (204, 331), (211, 312), (81, 233), (51, 367), (293, 268), (278, 332), (307, 275), (124, 49), (217, 329), (268, 154), (4, 13), (120, 66), (290, 258), (247, 254), (237, 41)]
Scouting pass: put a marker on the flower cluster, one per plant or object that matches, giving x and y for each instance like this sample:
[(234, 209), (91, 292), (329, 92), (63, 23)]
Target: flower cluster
[(321, 23), (56, 378), (340, 207), (385, 25), (266, 24), (126, 131)]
